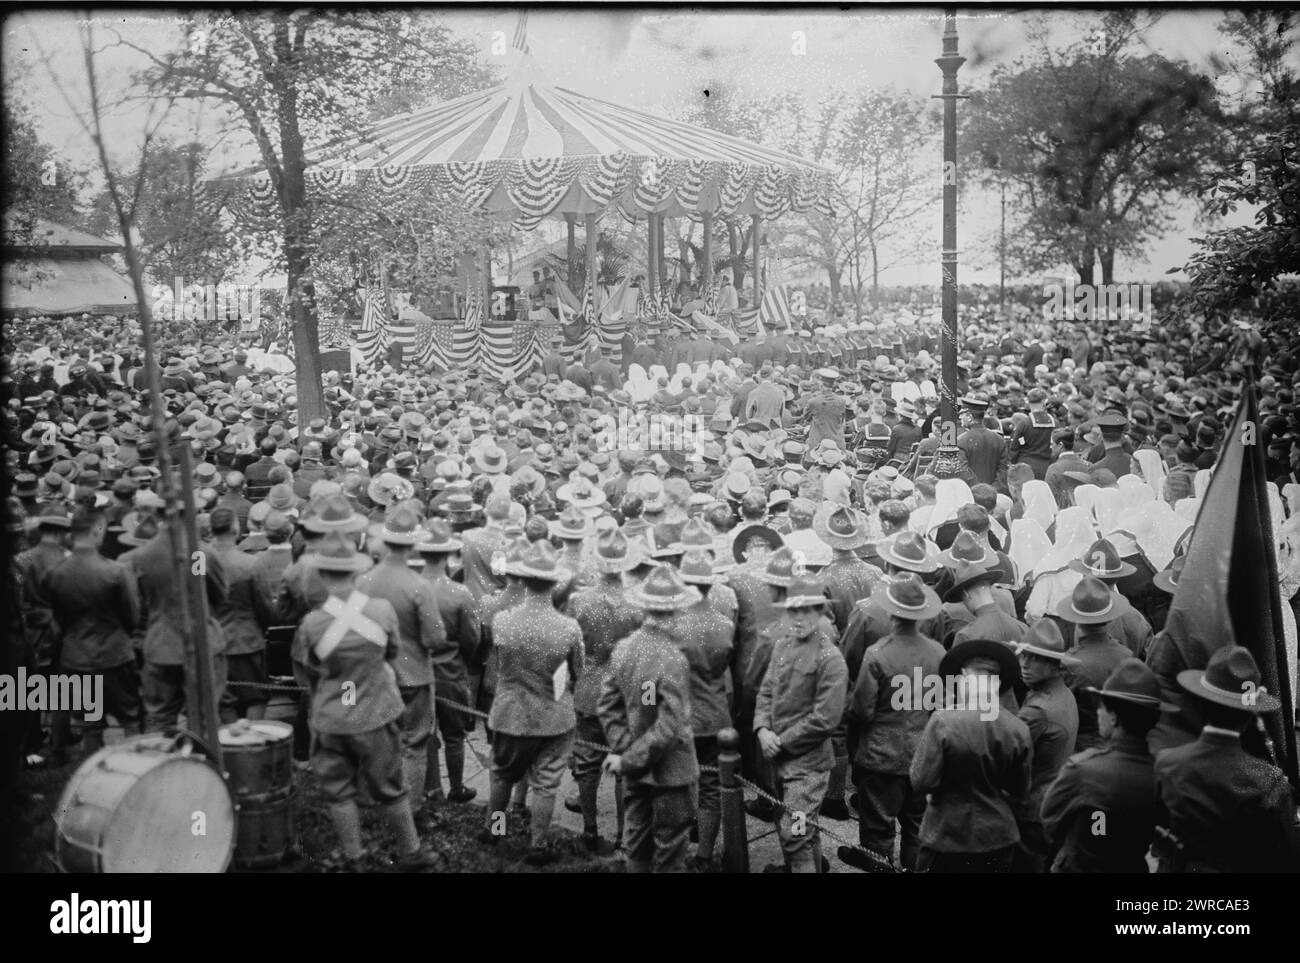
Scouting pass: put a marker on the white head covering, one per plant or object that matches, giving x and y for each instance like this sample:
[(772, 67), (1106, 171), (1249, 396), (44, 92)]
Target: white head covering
[(927, 389), (1157, 529), (638, 385), (1187, 508), (1276, 513), (1201, 482), (1029, 544), (1085, 495), (1152, 467), (910, 390), (657, 371), (836, 487), (1040, 505), (949, 495), (1134, 491), (1107, 509), (1074, 534), (701, 370), (1291, 493)]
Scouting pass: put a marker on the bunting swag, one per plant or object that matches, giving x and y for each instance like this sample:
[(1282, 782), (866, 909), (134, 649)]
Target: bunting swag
[(439, 346), (1228, 592), (373, 339)]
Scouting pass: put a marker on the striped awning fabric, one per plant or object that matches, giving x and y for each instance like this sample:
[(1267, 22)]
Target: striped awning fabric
[(532, 150)]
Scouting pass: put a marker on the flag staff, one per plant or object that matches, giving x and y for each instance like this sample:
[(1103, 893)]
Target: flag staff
[(949, 64)]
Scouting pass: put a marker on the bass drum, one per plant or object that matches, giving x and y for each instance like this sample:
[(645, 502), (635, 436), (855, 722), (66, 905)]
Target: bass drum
[(146, 805), (258, 757)]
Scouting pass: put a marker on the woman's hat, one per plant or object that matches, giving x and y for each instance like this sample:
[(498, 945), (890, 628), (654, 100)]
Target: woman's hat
[(336, 552), (1230, 679), (1102, 561), (539, 560), (491, 460), (1167, 581), (842, 527), (909, 551), (1092, 603), (968, 574), (389, 489), (1133, 682), (999, 652), (664, 591), (1044, 639), (281, 498), (905, 596), (438, 538)]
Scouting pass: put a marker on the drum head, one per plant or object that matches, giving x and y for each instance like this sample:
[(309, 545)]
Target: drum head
[(178, 818), (259, 733)]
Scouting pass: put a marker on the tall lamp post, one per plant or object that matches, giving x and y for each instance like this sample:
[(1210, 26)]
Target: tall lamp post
[(949, 64)]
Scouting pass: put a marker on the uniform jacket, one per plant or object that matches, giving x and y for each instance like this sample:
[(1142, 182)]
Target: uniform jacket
[(881, 737), (1116, 780), (1052, 716), (825, 414), (164, 604), (268, 577), (98, 607), (653, 736), (419, 622), (531, 642), (991, 622), (605, 617), (868, 624), (976, 774), (480, 544), (986, 453), (706, 639), (239, 613), (356, 689), (461, 636), (1232, 812), (1097, 661), (848, 580), (802, 698)]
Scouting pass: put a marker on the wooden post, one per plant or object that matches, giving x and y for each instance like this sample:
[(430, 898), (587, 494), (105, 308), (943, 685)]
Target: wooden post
[(758, 264), (571, 251), (200, 684), (651, 262), (593, 259), (706, 275), (735, 842)]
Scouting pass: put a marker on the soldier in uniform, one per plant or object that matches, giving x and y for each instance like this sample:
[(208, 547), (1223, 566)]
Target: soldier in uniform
[(1092, 606), (33, 566), (605, 617), (539, 656), (1116, 780), (883, 733), (98, 608), (1223, 809), (825, 411), (653, 743), (975, 768), (451, 661), (244, 625), (421, 634), (351, 642), (1102, 562), (706, 637), (847, 579), (1052, 715)]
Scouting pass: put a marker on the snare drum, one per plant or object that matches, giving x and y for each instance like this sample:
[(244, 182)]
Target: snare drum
[(258, 757), (145, 805)]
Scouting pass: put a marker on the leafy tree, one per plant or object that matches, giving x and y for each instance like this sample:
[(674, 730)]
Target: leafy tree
[(38, 184), (1262, 167), (292, 79), (1095, 143)]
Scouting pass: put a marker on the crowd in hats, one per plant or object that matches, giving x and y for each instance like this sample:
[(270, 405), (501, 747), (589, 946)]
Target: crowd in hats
[(446, 544)]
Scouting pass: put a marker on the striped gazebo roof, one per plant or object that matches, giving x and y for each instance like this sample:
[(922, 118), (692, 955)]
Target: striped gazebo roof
[(529, 150)]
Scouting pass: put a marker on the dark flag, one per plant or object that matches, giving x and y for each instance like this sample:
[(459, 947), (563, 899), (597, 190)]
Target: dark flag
[(1228, 592)]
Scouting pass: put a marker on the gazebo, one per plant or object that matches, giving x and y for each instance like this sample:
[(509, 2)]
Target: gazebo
[(526, 150), (59, 271)]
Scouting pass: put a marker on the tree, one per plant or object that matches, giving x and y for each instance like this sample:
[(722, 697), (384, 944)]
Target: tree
[(1095, 143), (1236, 264), (38, 184), (177, 237), (290, 78)]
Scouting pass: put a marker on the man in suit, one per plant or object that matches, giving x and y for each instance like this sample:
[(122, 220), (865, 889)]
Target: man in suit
[(579, 375), (165, 669), (766, 402), (1115, 456), (825, 411), (605, 372), (553, 363)]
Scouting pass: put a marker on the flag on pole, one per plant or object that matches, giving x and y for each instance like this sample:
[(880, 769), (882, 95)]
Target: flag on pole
[(373, 338), (1228, 593)]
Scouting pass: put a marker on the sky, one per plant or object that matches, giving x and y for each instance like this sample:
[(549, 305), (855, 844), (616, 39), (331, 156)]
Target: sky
[(658, 59)]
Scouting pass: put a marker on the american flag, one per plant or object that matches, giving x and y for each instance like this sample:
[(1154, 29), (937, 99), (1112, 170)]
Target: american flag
[(335, 333), (373, 337)]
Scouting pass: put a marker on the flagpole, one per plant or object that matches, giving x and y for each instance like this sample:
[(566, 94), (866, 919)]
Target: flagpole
[(949, 64)]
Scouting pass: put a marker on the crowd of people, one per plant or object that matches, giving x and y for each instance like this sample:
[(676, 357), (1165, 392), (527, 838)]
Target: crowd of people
[(445, 545)]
